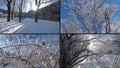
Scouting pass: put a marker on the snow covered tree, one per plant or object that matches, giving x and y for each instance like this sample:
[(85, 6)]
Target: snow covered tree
[(73, 50), (32, 51), (88, 16), (88, 51)]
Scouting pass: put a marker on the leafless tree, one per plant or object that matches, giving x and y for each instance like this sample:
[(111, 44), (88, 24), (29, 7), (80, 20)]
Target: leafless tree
[(81, 50), (8, 4), (21, 8), (73, 50), (89, 16), (13, 9)]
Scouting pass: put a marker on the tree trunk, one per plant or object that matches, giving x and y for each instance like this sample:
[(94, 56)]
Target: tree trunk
[(20, 16), (13, 10), (63, 66), (20, 11), (8, 12), (36, 16), (12, 15), (63, 51)]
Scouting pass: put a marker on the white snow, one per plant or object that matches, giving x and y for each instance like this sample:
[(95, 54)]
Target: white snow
[(9, 27), (28, 26)]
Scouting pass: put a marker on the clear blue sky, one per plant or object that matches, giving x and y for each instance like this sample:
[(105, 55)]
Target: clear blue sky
[(65, 12)]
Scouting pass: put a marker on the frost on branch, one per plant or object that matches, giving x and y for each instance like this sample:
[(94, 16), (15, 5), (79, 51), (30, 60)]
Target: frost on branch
[(91, 16), (95, 51), (29, 51)]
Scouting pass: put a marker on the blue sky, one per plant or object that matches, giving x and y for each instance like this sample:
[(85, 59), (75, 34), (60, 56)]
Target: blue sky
[(65, 12), (117, 13), (3, 7)]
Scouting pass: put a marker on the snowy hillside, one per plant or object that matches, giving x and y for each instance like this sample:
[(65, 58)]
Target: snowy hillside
[(28, 26)]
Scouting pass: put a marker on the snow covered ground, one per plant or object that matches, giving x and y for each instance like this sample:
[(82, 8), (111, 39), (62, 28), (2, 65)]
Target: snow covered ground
[(28, 26)]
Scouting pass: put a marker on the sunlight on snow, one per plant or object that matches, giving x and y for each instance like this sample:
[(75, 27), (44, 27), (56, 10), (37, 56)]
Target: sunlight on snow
[(90, 36), (97, 47), (92, 47)]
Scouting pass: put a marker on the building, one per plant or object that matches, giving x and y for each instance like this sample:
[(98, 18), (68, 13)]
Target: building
[(50, 12)]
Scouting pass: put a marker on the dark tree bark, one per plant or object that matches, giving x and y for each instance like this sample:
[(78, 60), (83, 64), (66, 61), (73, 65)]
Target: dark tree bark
[(62, 52), (37, 3), (9, 10), (36, 16), (20, 16), (20, 11), (70, 54), (107, 21)]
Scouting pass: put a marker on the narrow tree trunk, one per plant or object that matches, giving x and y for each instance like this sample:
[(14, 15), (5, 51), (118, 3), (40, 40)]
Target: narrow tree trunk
[(8, 12), (108, 26), (12, 15), (63, 52), (20, 11), (36, 16), (20, 16)]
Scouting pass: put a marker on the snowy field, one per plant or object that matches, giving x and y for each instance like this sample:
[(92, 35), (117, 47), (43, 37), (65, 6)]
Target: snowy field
[(28, 26)]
